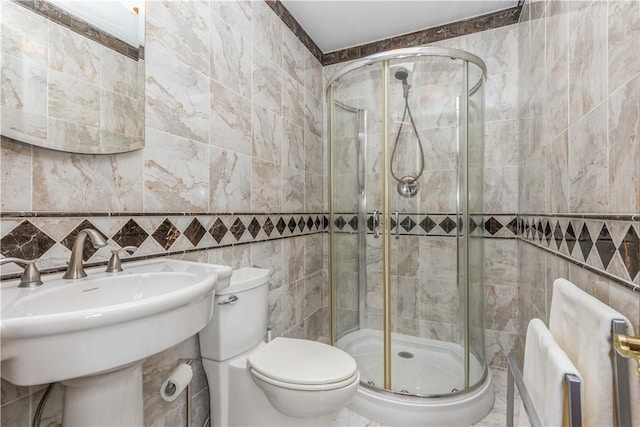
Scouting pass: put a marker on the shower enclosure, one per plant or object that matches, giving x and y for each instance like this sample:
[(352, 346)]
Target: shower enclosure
[(407, 253)]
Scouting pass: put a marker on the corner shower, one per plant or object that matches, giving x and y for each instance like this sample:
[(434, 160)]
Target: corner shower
[(407, 253)]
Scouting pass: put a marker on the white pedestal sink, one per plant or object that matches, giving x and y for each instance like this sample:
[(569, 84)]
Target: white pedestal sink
[(94, 333)]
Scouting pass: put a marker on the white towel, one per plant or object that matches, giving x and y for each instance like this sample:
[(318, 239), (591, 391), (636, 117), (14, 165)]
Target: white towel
[(581, 325), (545, 365)]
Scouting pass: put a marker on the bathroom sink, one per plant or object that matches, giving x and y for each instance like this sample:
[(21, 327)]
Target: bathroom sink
[(68, 329)]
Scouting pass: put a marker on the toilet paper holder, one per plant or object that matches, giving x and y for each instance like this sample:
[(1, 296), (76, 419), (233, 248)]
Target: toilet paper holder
[(170, 389), (175, 383)]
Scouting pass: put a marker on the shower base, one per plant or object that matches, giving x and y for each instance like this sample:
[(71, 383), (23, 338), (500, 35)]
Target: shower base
[(419, 366)]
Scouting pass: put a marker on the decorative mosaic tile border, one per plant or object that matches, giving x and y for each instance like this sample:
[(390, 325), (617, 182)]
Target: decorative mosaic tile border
[(51, 237), (607, 245), (84, 28), (504, 226)]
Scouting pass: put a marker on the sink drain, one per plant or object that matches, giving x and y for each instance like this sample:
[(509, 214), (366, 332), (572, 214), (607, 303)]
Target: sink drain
[(405, 355)]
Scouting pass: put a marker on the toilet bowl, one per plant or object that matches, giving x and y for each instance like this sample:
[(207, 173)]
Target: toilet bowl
[(304, 378), (285, 382)]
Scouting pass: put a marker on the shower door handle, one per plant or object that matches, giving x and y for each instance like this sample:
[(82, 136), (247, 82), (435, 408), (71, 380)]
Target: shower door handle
[(376, 223), (397, 219)]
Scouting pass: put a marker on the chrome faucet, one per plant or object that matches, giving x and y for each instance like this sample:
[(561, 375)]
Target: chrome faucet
[(31, 276), (76, 268)]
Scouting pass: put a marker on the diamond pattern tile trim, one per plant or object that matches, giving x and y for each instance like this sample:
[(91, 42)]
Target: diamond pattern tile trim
[(557, 235), (292, 224), (26, 241), (630, 252), (131, 234), (591, 242), (408, 224), (547, 233), (370, 223), (585, 242), (540, 231), (166, 234), (493, 226), (472, 225), (419, 224), (268, 227), (570, 237), (448, 225), (605, 246), (195, 231), (254, 227), (353, 222), (237, 229), (218, 230)]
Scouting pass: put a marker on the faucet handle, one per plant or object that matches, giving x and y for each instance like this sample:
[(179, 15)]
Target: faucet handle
[(115, 265), (30, 276)]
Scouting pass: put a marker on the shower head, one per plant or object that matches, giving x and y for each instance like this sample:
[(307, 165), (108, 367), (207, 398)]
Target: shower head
[(402, 74)]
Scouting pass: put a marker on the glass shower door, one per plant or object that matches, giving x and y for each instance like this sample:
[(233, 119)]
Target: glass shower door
[(424, 140), (407, 272), (348, 215)]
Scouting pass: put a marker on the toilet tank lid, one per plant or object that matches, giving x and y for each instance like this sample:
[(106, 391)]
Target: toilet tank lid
[(244, 279)]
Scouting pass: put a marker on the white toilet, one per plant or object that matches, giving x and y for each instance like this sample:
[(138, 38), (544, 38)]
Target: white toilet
[(286, 382)]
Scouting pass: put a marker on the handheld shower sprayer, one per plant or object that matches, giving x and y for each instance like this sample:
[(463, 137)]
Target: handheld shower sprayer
[(402, 74), (407, 185)]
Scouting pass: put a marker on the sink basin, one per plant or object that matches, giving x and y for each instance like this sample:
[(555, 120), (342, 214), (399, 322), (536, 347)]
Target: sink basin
[(68, 329), (103, 292)]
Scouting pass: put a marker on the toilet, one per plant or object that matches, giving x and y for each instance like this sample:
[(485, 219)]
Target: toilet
[(285, 382)]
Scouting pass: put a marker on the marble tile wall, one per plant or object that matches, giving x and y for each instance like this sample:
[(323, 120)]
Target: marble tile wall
[(233, 114), (499, 48), (234, 125), (58, 89), (579, 121)]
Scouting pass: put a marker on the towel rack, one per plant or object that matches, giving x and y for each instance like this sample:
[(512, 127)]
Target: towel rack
[(622, 399), (572, 397)]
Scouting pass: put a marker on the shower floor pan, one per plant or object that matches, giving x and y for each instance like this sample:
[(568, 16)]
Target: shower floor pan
[(420, 366)]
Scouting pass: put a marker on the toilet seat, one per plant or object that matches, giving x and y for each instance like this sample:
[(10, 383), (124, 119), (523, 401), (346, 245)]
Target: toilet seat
[(306, 387), (303, 365)]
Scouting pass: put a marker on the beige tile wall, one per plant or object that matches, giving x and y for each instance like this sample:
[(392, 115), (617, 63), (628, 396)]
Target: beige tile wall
[(233, 124), (579, 103)]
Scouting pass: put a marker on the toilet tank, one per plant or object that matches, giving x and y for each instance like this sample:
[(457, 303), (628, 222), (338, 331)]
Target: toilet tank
[(239, 319)]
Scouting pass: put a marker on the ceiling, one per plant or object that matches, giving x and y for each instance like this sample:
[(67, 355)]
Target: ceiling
[(335, 25)]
